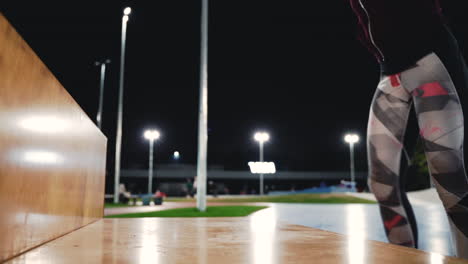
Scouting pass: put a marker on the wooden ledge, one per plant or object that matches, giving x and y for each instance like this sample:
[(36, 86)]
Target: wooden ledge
[(255, 239)]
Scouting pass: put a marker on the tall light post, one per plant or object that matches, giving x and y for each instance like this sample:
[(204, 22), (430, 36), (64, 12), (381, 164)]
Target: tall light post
[(261, 137), (101, 90), (151, 135), (118, 141), (351, 139), (203, 111)]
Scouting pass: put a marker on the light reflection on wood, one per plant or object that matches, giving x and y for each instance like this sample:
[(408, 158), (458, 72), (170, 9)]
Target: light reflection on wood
[(52, 158), (216, 240)]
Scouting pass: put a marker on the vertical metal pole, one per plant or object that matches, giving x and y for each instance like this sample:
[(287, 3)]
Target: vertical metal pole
[(101, 95), (261, 174), (351, 150), (203, 112), (150, 172), (118, 141)]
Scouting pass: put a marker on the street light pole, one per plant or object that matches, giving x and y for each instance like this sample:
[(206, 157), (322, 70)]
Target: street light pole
[(351, 139), (261, 137), (351, 150), (150, 173), (101, 91), (261, 174), (151, 135), (203, 112), (118, 141)]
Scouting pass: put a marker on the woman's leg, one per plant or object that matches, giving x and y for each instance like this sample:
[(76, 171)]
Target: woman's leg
[(386, 128), (440, 119)]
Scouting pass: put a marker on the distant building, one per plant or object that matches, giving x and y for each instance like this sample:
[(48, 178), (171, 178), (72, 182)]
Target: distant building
[(172, 178)]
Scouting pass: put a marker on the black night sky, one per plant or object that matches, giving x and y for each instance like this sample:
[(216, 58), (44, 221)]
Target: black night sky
[(294, 68)]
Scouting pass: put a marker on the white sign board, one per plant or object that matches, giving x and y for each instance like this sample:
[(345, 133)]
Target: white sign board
[(262, 167)]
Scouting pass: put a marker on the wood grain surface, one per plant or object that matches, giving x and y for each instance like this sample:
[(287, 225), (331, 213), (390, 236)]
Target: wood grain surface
[(52, 156), (258, 240)]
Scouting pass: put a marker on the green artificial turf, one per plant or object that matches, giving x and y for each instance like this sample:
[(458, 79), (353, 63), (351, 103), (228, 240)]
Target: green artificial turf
[(211, 211), (296, 198)]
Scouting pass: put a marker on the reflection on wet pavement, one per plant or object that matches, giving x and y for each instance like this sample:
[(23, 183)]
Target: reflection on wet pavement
[(363, 221)]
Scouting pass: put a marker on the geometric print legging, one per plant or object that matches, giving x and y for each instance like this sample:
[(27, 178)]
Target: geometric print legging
[(440, 118)]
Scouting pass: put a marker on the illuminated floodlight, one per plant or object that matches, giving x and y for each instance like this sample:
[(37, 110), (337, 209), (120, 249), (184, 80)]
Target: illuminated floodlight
[(261, 136), (262, 167), (127, 11), (151, 134), (176, 155), (351, 138)]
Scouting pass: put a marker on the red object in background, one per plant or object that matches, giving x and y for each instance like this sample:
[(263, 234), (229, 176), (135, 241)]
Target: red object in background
[(160, 194)]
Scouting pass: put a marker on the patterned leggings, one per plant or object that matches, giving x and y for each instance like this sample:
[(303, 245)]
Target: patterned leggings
[(440, 119)]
